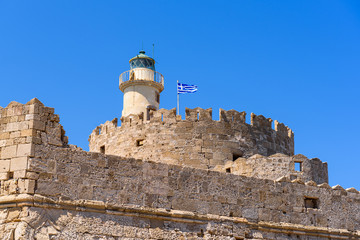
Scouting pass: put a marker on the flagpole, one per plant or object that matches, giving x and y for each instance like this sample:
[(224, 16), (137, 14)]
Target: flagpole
[(178, 99)]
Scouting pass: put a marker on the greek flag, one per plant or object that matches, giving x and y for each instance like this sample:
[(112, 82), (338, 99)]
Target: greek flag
[(186, 88)]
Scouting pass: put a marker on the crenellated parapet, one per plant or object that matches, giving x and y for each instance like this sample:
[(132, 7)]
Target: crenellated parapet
[(132, 119), (163, 115), (232, 116), (108, 126), (198, 140), (260, 121), (282, 129), (198, 114)]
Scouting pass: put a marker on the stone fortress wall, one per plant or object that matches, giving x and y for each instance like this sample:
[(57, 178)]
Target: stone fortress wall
[(52, 190), (201, 142)]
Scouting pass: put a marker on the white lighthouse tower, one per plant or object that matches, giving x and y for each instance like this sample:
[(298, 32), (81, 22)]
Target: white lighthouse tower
[(141, 86)]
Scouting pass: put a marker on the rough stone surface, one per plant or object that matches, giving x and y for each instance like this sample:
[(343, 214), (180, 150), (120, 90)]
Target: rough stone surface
[(62, 192)]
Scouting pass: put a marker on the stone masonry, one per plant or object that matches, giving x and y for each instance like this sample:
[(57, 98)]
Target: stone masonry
[(52, 190)]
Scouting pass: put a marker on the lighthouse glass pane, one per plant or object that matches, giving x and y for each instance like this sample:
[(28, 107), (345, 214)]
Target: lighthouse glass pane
[(142, 63)]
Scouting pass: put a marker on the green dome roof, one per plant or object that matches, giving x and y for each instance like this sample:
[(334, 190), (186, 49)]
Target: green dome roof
[(141, 55)]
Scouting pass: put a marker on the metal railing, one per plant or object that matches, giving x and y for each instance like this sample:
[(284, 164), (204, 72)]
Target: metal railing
[(141, 74)]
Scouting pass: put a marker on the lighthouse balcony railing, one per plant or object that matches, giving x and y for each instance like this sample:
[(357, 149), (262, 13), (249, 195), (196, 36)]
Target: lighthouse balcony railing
[(141, 74)]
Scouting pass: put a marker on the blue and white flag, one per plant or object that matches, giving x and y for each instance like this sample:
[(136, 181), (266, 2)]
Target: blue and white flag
[(186, 88)]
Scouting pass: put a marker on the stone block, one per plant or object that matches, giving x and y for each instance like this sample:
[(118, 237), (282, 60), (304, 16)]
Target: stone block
[(214, 162), (13, 214), (25, 150), (4, 165), (32, 117), (19, 163), (38, 125), (172, 155), (5, 135), (4, 120), (15, 134), (55, 142), (8, 152), (32, 175), (23, 125), (28, 132), (14, 119), (27, 186), (220, 156), (13, 187), (34, 140), (4, 175), (19, 140), (21, 118), (19, 174), (34, 109), (16, 126)]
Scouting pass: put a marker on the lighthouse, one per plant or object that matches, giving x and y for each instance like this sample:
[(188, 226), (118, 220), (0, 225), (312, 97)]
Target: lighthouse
[(141, 86)]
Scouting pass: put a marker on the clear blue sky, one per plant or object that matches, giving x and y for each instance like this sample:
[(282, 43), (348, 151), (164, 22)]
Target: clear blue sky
[(294, 61)]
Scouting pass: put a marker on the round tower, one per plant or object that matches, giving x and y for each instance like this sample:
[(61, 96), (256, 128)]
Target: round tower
[(141, 86)]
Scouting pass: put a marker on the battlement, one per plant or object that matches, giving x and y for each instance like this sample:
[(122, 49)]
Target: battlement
[(282, 129), (260, 121), (106, 127), (164, 115), (232, 116), (198, 140), (200, 114)]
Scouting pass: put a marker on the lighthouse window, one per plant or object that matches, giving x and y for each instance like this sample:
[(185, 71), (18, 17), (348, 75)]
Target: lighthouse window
[(142, 63)]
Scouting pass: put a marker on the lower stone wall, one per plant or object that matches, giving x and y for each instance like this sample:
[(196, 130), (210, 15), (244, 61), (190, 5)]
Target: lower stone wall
[(48, 219), (75, 175)]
